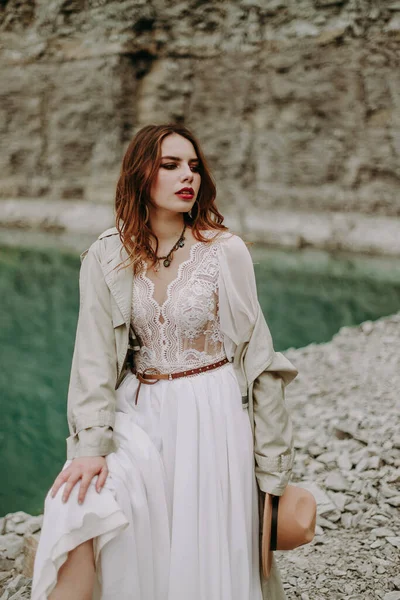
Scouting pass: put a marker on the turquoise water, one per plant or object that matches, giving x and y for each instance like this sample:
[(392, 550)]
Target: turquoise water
[(306, 297)]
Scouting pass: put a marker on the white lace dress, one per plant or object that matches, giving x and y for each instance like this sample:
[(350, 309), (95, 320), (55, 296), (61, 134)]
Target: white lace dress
[(178, 516)]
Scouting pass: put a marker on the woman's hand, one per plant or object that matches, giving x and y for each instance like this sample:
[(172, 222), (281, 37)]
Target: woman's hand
[(85, 468)]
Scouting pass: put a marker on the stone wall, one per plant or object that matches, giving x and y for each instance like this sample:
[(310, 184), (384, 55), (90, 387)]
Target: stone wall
[(296, 102)]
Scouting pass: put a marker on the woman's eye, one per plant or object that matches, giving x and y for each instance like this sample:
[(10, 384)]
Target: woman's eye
[(170, 166)]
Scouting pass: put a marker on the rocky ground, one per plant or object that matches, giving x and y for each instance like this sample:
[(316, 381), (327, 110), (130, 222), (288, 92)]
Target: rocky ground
[(345, 407), (345, 410)]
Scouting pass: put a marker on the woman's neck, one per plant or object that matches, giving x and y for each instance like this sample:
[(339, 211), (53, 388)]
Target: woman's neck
[(166, 227)]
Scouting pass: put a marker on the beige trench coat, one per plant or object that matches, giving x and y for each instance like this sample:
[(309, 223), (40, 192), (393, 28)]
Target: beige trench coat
[(105, 341)]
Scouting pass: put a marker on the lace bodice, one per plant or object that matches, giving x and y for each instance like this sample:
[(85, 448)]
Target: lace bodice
[(184, 331)]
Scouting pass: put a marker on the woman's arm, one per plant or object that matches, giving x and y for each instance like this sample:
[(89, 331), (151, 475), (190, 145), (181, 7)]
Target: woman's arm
[(273, 430), (91, 394), (263, 371)]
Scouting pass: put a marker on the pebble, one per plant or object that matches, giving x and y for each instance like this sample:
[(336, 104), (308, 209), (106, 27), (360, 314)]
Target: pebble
[(343, 461), (18, 587), (328, 457), (335, 481), (382, 532), (325, 523), (392, 596), (380, 570), (346, 520), (394, 501), (11, 545), (340, 500), (377, 544)]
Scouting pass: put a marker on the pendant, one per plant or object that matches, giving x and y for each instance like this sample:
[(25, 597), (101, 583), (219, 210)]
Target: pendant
[(166, 262), (181, 243)]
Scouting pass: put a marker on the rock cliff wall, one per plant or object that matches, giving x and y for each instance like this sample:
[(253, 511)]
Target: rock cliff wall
[(296, 102)]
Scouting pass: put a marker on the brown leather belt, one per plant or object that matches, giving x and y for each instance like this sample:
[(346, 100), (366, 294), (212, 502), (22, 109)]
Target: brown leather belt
[(151, 378)]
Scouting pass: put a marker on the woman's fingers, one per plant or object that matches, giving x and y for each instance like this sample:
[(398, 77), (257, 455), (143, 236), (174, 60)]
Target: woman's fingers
[(84, 468), (60, 479), (101, 478), (73, 479), (86, 479)]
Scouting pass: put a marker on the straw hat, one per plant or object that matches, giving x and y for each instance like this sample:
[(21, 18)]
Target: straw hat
[(288, 522)]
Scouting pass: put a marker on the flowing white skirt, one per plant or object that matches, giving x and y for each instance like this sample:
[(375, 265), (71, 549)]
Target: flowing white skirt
[(178, 515)]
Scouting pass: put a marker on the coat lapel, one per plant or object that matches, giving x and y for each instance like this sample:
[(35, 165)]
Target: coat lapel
[(120, 281)]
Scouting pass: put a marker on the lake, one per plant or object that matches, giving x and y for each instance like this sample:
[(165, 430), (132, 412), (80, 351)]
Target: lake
[(306, 297)]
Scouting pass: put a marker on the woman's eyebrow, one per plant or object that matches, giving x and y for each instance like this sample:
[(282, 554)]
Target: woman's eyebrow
[(177, 158)]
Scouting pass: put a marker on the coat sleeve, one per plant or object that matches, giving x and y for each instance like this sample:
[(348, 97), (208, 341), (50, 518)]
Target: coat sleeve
[(91, 393), (265, 371)]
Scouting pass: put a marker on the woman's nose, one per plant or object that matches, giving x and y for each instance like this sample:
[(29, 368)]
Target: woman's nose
[(188, 174)]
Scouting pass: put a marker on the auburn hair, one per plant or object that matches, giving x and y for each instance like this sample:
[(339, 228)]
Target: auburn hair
[(139, 168)]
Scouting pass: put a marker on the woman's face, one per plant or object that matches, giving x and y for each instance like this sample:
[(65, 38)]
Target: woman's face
[(178, 169)]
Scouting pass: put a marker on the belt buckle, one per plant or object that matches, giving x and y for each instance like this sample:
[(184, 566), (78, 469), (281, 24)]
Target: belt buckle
[(155, 372), (170, 377)]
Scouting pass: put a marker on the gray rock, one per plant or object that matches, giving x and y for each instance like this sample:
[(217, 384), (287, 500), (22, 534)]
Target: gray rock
[(380, 519), (11, 545), (344, 463), (392, 596), (31, 525), (340, 499), (328, 457), (381, 532), (393, 25), (374, 462), (335, 481), (18, 587), (362, 465), (6, 564), (376, 544), (394, 501), (325, 523), (19, 563), (346, 520), (12, 520)]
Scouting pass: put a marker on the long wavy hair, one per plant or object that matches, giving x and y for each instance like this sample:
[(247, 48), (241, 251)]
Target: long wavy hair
[(139, 168)]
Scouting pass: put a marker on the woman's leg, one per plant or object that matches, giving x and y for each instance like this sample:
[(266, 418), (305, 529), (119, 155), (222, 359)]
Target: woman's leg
[(76, 576)]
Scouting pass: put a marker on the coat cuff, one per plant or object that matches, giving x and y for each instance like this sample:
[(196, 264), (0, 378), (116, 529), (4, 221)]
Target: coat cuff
[(93, 441), (102, 419), (273, 472), (273, 483), (283, 462)]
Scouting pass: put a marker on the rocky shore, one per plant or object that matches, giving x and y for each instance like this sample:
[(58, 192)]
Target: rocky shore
[(345, 410)]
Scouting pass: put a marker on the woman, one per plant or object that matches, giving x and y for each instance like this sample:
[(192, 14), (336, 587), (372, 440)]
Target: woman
[(158, 498)]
